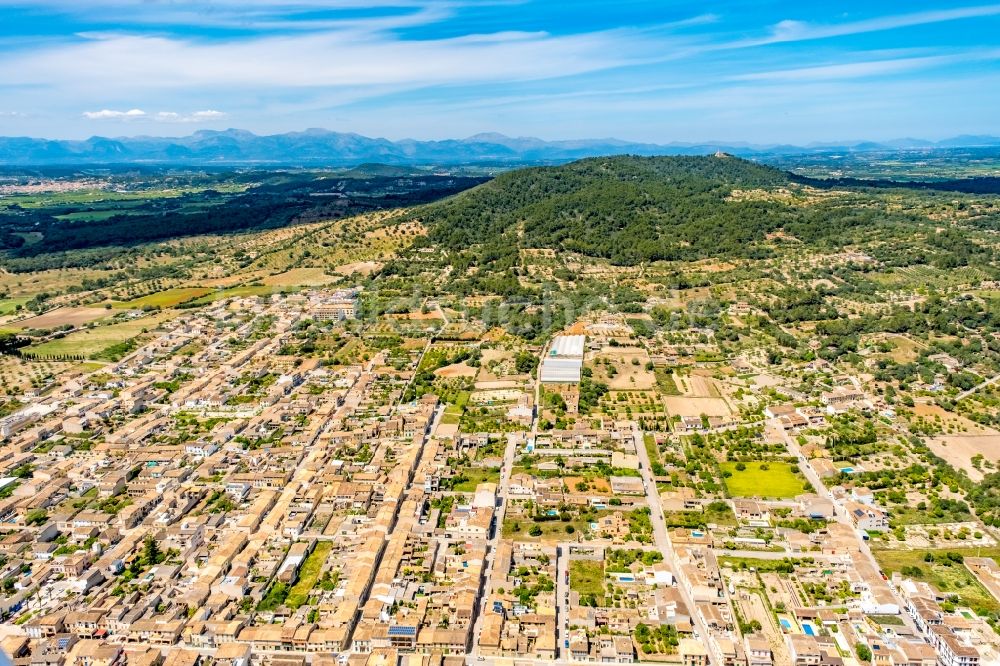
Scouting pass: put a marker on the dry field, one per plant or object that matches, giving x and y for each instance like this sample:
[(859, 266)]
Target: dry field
[(950, 423), (904, 350), (415, 316), (698, 386), (687, 406), (502, 364), (958, 450), (629, 376), (300, 277), (362, 267), (52, 281), (456, 370), (18, 375), (597, 484), (93, 340), (61, 317)]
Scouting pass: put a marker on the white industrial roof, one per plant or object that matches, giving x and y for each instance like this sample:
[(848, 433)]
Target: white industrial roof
[(561, 370), (567, 346)]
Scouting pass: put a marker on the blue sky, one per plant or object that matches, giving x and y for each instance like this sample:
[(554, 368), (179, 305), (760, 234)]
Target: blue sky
[(755, 71)]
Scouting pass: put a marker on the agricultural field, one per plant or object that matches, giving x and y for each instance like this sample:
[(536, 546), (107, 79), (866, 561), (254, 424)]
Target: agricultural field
[(165, 299), (92, 342), (696, 406), (60, 317)]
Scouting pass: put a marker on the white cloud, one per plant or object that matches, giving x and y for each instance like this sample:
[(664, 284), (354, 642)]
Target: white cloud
[(846, 70), (862, 69), (266, 14), (195, 117), (160, 116), (128, 64), (795, 31), (110, 114)]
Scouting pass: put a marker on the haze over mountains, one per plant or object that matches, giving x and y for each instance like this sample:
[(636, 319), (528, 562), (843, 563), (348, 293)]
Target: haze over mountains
[(318, 147)]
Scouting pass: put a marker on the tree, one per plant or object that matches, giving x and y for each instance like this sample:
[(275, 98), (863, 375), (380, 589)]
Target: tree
[(151, 551), (864, 652), (36, 517), (535, 531)]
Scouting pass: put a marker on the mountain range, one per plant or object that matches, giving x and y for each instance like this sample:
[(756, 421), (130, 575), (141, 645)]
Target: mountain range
[(318, 147)]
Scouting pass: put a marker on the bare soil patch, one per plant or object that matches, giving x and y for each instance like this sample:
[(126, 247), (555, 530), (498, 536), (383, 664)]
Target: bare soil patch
[(456, 370)]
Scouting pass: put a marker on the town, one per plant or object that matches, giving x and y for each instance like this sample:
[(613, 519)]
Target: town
[(277, 480)]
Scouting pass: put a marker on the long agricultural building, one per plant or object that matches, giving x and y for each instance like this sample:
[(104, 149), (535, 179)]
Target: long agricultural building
[(564, 361)]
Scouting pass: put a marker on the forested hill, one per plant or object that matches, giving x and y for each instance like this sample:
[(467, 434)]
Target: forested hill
[(628, 209)]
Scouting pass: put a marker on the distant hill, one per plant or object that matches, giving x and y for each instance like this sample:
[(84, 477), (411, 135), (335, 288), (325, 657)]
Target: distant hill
[(318, 147), (630, 210), (627, 209)]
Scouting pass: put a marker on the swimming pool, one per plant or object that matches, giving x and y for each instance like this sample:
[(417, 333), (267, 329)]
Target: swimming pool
[(785, 624), (697, 534), (808, 629), (847, 470)]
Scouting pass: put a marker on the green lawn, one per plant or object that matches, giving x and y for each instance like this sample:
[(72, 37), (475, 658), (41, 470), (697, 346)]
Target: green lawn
[(951, 578), (552, 530), (9, 305), (777, 480), (452, 415), (587, 577), (308, 575), (665, 382), (651, 449), (166, 299)]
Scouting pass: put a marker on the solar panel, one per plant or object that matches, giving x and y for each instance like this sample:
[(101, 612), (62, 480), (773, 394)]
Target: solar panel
[(402, 630)]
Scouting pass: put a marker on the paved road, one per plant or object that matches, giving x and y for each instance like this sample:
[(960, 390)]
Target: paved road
[(562, 599), (662, 538), (965, 394), (777, 555)]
